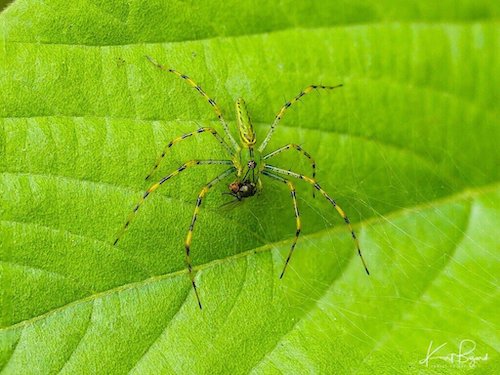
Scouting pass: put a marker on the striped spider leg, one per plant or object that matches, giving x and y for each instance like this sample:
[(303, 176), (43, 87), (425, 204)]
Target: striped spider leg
[(287, 105), (155, 186), (189, 236), (296, 210), (339, 210), (185, 136), (210, 101), (295, 147)]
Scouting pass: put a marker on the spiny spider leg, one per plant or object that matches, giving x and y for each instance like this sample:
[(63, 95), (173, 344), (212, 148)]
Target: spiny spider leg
[(212, 102), (155, 186), (337, 207), (297, 215), (292, 146), (187, 135), (287, 105), (189, 236)]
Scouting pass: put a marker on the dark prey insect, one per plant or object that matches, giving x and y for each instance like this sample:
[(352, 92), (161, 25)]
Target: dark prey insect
[(246, 163)]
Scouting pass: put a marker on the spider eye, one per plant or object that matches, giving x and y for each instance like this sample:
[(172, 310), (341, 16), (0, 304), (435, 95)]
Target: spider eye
[(244, 188), (251, 164)]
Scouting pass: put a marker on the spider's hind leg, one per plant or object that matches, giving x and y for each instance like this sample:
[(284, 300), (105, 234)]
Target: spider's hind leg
[(339, 210), (297, 215), (155, 186), (189, 236)]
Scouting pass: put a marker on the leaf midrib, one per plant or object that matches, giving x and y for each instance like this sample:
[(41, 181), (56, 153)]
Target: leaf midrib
[(468, 193)]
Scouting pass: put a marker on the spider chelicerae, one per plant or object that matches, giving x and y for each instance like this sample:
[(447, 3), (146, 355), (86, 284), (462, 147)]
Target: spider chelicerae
[(247, 164)]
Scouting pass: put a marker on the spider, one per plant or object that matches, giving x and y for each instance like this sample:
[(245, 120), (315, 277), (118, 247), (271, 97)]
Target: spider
[(247, 164)]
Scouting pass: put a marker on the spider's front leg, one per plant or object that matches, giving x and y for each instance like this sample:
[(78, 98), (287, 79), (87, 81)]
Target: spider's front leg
[(210, 101), (327, 197), (287, 105)]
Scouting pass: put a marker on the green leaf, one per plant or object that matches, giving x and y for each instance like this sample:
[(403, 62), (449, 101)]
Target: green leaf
[(408, 148)]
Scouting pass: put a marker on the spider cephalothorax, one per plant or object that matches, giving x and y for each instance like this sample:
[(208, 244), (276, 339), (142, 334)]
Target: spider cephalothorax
[(246, 162)]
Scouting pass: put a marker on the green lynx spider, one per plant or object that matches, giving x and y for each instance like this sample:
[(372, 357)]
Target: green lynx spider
[(247, 164)]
